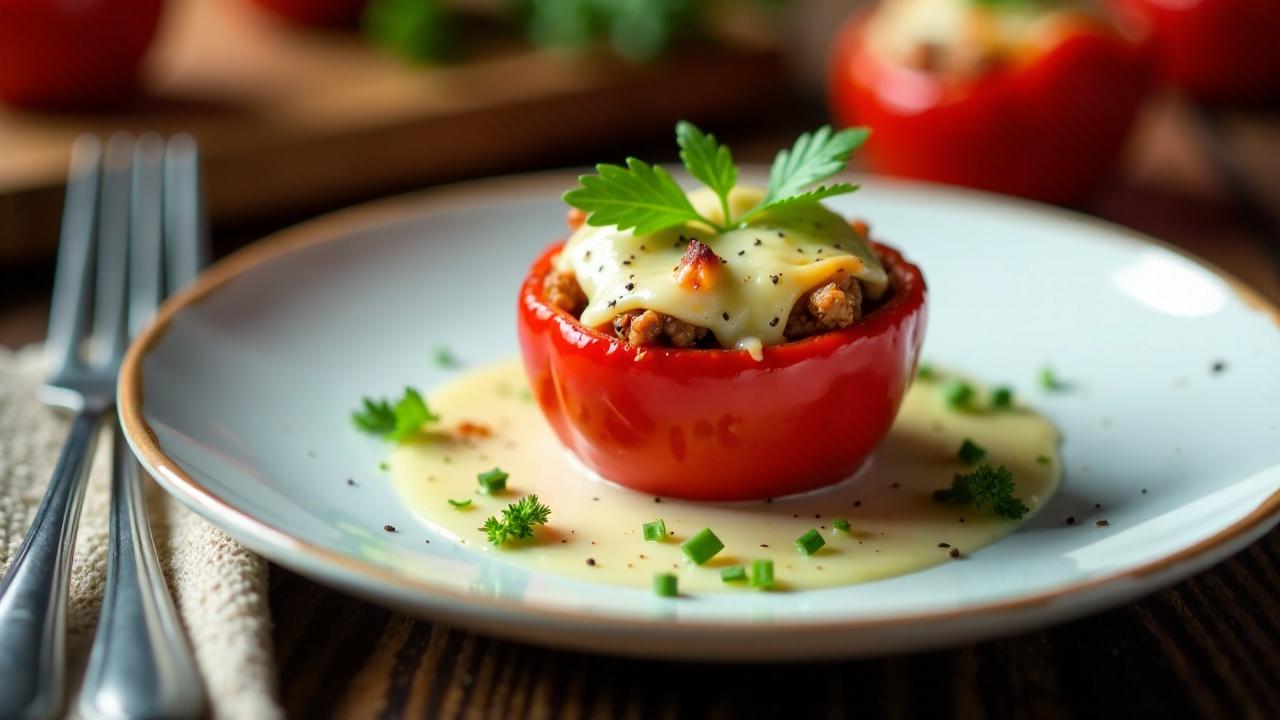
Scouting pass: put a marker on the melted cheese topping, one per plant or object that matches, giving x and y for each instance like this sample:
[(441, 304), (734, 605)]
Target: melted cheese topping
[(896, 526), (967, 30), (765, 268)]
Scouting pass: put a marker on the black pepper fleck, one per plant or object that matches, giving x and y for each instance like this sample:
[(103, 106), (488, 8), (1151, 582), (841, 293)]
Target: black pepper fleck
[(774, 278), (1102, 523), (774, 321), (613, 303), (955, 553), (759, 242), (857, 503), (657, 499), (389, 528), (742, 252), (764, 545), (1218, 366), (724, 315), (353, 482), (626, 262), (1144, 491), (1071, 519), (591, 562), (630, 286)]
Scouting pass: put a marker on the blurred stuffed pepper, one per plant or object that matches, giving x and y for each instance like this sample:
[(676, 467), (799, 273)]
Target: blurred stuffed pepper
[(1025, 97), (1216, 49), (73, 54)]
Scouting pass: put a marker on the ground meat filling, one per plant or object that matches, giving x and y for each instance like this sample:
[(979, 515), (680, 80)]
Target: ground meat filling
[(564, 292), (648, 327), (836, 304), (831, 306)]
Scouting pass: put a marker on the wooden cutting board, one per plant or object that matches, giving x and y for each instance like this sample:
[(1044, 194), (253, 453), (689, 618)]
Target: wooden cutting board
[(292, 120)]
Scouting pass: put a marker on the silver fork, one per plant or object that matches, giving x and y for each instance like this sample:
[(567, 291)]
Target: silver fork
[(141, 665)]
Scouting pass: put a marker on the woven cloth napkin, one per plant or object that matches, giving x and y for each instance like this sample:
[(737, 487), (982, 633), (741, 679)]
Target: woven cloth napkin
[(219, 587)]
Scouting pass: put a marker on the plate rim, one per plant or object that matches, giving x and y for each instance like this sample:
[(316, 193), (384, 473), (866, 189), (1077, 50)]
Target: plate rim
[(338, 224)]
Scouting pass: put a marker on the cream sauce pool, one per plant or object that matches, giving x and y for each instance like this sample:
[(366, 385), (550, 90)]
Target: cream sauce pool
[(595, 528)]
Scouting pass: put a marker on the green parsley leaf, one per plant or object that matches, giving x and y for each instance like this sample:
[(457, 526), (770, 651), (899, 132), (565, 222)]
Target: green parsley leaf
[(1049, 379), (639, 196), (813, 158), (517, 521), (971, 453), (985, 486), (376, 418), (707, 161), (444, 357), (818, 194), (399, 423)]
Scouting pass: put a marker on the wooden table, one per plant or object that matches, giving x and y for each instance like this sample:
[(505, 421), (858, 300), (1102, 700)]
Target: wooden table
[(1209, 646)]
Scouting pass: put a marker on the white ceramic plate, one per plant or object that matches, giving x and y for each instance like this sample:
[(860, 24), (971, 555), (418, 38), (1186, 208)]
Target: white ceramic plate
[(237, 401)]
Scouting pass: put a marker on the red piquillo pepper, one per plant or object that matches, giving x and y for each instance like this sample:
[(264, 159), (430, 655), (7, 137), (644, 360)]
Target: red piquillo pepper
[(709, 424)]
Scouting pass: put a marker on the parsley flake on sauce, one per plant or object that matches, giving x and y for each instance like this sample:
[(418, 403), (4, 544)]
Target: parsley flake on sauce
[(397, 422), (985, 486), (518, 520)]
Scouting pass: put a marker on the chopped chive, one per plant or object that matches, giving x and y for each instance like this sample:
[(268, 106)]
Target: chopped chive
[(957, 394), (1043, 459), (810, 542), (383, 467), (735, 573), (1049, 380), (665, 585), (460, 504), (761, 573), (655, 531), (926, 372), (493, 481), (1002, 398), (444, 358), (840, 524), (702, 547), (970, 453)]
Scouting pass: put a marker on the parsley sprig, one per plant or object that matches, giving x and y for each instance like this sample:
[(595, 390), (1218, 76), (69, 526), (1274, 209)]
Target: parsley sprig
[(985, 486), (517, 521), (398, 422), (647, 199)]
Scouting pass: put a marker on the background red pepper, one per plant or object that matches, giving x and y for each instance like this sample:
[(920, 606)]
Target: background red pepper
[(57, 54), (715, 424), (1216, 49), (1048, 128)]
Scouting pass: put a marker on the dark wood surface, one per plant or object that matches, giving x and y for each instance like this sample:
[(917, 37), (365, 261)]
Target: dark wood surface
[(1208, 181)]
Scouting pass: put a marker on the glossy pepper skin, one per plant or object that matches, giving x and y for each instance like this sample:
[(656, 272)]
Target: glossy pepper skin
[(715, 424), (57, 54), (1216, 49), (1048, 127)]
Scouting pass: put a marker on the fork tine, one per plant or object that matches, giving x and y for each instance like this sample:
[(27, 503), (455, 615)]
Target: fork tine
[(113, 249), (146, 249), (185, 232), (70, 304)]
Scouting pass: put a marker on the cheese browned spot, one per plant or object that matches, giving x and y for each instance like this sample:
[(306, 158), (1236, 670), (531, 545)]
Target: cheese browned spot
[(759, 272)]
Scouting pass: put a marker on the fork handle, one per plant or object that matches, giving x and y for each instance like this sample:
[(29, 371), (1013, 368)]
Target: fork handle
[(33, 594), (141, 665)]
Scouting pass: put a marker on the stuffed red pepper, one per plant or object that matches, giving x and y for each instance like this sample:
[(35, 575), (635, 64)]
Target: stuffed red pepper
[(729, 343), (1025, 97)]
